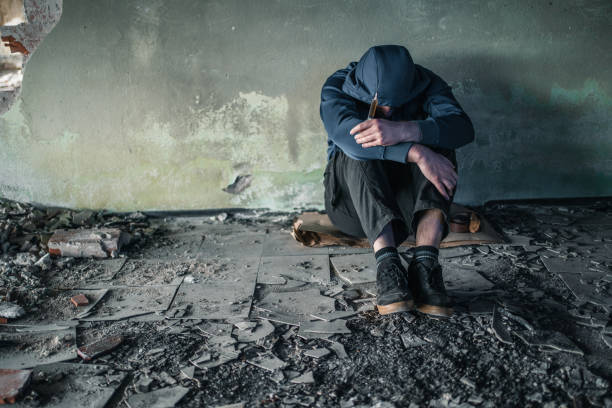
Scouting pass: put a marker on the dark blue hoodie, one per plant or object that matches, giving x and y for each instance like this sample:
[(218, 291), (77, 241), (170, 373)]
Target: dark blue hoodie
[(413, 91)]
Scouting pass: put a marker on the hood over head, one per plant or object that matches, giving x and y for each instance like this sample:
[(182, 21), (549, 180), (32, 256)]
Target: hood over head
[(388, 70)]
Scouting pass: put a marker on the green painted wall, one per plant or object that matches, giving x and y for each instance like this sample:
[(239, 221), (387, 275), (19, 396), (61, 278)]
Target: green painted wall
[(150, 104)]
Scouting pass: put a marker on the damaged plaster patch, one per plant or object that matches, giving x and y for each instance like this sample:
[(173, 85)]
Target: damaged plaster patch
[(12, 13), (24, 25)]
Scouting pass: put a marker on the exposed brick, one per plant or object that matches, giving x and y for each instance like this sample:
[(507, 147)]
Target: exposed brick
[(3, 320), (12, 383), (95, 349), (79, 300), (96, 243)]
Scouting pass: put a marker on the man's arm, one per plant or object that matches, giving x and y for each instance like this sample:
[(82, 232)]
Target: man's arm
[(340, 114), (447, 126)]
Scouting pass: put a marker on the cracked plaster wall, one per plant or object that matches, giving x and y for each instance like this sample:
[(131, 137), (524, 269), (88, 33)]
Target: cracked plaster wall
[(149, 104)]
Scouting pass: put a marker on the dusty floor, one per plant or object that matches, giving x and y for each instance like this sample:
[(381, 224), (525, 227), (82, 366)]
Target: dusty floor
[(227, 309)]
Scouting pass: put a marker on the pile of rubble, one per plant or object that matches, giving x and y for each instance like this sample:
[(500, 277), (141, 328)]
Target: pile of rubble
[(227, 308)]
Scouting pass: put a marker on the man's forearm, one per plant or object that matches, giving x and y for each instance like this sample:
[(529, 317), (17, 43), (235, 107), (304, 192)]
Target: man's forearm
[(416, 153)]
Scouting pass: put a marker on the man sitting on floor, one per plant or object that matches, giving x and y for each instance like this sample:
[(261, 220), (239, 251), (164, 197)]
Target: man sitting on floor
[(394, 173)]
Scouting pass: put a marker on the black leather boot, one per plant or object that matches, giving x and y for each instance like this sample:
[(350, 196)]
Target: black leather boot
[(393, 294), (427, 285)]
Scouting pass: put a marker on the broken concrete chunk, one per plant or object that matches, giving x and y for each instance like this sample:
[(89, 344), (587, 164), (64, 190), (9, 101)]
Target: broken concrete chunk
[(188, 372), (97, 348), (79, 300), (96, 243), (12, 384), (338, 348), (10, 310), (162, 398)]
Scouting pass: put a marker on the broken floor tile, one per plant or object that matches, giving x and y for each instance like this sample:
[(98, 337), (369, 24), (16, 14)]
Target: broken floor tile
[(313, 335), (99, 347), (75, 385), (355, 269), (30, 346), (305, 268), (12, 384), (278, 317), (188, 372), (224, 356), (549, 339), (464, 279), (347, 250), (267, 361), (499, 329), (338, 314), (338, 348), (334, 327), (124, 302), (264, 329), (138, 272), (165, 397), (317, 353), (223, 295), (305, 302), (281, 243), (232, 241), (306, 378), (96, 243), (455, 252), (92, 273), (174, 246), (588, 290)]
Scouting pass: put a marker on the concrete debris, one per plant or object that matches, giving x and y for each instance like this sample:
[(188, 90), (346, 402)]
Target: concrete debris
[(10, 310), (239, 185), (210, 341), (12, 384), (99, 243), (100, 347)]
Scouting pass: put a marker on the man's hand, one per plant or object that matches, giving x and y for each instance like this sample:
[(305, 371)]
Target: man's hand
[(435, 167), (382, 132)]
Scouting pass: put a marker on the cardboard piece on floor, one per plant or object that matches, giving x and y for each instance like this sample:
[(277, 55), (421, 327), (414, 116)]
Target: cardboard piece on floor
[(305, 268), (31, 346), (314, 229), (225, 291)]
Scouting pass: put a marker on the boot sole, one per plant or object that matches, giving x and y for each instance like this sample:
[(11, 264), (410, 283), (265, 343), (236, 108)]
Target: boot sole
[(435, 310), (403, 306)]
